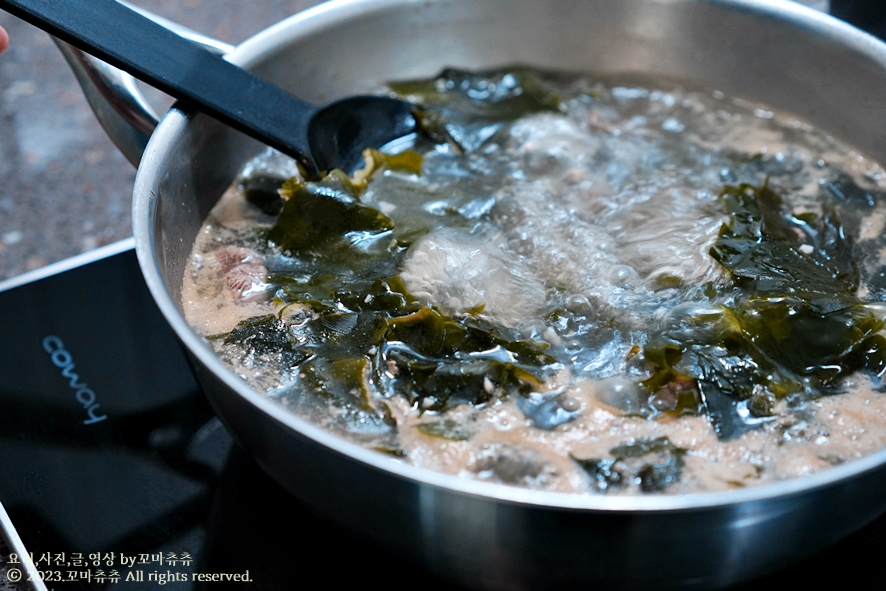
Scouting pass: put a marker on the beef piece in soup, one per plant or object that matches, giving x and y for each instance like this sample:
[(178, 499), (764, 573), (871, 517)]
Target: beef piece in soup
[(568, 283)]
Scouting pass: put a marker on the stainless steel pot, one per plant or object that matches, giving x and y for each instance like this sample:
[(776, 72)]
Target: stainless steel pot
[(479, 534)]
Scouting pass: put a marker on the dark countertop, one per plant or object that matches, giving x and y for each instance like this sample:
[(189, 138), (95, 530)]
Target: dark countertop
[(64, 187)]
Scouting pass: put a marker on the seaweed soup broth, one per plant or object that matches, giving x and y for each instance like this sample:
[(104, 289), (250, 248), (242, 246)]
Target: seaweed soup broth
[(597, 285)]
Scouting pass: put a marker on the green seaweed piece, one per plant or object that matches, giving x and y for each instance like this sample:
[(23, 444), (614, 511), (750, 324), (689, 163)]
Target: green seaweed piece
[(320, 223), (429, 333), (653, 476), (604, 474), (672, 391), (688, 403), (267, 336), (844, 188), (640, 447), (667, 281), (433, 334), (760, 249), (728, 377), (315, 291), (521, 351), (794, 335), (408, 161), (870, 355), (657, 476), (333, 326), (391, 451), (447, 429), (799, 310), (290, 187), (832, 246), (462, 382), (339, 179), (500, 94), (387, 294), (433, 126), (343, 380), (793, 325), (440, 383), (262, 190), (442, 362), (367, 334), (663, 356), (467, 108)]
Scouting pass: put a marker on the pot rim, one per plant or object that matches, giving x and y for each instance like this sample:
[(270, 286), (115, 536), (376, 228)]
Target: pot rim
[(334, 13)]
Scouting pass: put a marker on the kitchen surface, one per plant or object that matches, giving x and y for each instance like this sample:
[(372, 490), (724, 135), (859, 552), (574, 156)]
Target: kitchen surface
[(64, 187), (66, 190)]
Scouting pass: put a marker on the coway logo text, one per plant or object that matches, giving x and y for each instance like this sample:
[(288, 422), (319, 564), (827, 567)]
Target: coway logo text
[(62, 359)]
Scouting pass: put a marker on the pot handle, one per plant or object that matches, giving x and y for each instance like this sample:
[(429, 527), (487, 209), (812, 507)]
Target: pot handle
[(114, 96)]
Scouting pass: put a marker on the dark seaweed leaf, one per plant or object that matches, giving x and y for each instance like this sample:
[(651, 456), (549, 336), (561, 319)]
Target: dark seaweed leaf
[(442, 362), (630, 460), (760, 249), (462, 382), (267, 336), (432, 334), (316, 290), (657, 476), (799, 311), (296, 339), (435, 361), (663, 356), (447, 429), (261, 190), (391, 451), (795, 325), (499, 95), (604, 474), (636, 448), (429, 333), (385, 294), (467, 108), (443, 382), (847, 190), (671, 391), (727, 379), (317, 222), (836, 248), (546, 411), (342, 380), (793, 334)]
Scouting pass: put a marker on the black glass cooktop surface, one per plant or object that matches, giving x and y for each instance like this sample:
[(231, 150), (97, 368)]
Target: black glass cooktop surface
[(116, 473)]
